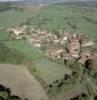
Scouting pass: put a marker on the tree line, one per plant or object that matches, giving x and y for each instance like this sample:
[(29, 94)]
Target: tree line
[(5, 6)]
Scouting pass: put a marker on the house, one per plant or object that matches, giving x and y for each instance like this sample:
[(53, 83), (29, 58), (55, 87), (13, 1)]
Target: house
[(89, 57), (18, 31), (81, 36), (88, 44), (74, 47), (38, 45), (67, 56), (55, 53), (84, 56), (65, 36), (55, 41)]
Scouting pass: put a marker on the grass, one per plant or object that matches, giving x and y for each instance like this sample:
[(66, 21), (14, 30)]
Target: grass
[(52, 17), (47, 70), (57, 17), (21, 82), (25, 48), (4, 35), (13, 18), (51, 71)]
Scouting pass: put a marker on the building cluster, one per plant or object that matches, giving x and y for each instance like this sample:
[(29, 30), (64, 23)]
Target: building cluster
[(74, 46), (70, 45), (78, 44), (36, 36), (16, 32)]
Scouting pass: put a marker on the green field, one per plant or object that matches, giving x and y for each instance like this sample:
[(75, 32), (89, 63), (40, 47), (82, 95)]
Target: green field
[(47, 70), (54, 17), (21, 82), (69, 18), (14, 18), (4, 35)]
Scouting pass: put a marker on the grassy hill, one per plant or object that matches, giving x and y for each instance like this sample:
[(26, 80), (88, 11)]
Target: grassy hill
[(5, 6), (14, 17), (21, 82), (41, 63), (54, 17), (69, 18)]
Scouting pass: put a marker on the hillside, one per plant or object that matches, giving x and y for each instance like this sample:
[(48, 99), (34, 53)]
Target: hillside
[(53, 1), (5, 6), (67, 16), (70, 18), (54, 28), (21, 82)]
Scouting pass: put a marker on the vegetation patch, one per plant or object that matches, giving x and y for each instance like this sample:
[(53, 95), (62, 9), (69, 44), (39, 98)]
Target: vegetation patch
[(69, 18), (10, 55), (21, 82)]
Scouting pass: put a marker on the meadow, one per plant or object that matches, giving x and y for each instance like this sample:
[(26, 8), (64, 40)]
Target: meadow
[(4, 35), (21, 82), (54, 17), (14, 17), (69, 18), (47, 70)]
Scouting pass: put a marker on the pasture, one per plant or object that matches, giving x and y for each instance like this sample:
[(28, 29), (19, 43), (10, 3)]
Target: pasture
[(47, 70), (12, 18), (54, 17), (21, 82), (69, 18), (4, 35)]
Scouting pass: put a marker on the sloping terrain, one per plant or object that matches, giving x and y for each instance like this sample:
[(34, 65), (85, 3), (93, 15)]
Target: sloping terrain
[(14, 17), (68, 18), (77, 91), (21, 82)]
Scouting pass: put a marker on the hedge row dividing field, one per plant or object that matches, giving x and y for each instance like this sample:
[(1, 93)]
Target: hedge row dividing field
[(54, 17), (21, 82), (47, 70), (69, 18), (14, 17)]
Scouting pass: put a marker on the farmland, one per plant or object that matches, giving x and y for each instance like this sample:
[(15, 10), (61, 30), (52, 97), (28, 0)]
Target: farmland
[(58, 77), (4, 35), (69, 18), (41, 62), (12, 17), (54, 17), (18, 77)]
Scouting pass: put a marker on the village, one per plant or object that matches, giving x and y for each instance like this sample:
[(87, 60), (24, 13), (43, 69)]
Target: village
[(70, 50), (65, 46)]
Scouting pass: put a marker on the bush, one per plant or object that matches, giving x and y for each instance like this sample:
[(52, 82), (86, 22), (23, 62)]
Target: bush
[(10, 55), (8, 94), (5, 6)]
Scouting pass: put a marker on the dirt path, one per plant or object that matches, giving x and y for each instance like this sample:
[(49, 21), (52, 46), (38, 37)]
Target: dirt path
[(21, 82)]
